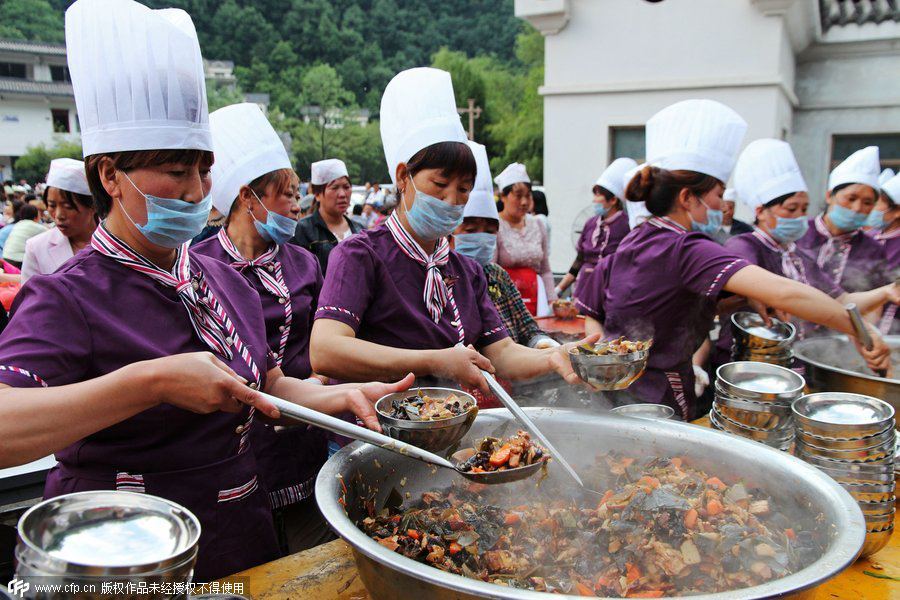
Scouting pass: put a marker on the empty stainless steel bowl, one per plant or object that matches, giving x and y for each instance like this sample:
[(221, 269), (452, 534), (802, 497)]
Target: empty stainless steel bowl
[(750, 331), (875, 541), (645, 411), (843, 415), (759, 382)]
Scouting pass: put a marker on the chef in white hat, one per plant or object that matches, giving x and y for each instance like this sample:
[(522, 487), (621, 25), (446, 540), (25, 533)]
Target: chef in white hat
[(835, 237), (328, 224), (148, 383), (476, 238), (604, 231), (397, 298), (885, 220), (662, 281), (523, 242), (730, 226), (69, 203), (768, 179)]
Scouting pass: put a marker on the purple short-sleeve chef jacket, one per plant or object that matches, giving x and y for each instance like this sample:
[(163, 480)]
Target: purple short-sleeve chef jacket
[(866, 266)]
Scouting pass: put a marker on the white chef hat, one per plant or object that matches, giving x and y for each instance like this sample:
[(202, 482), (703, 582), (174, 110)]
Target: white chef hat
[(138, 77), (418, 109), (68, 174), (695, 135), (481, 199), (246, 147), (885, 176), (637, 211), (612, 178), (729, 195), (511, 175), (767, 170), (891, 188), (326, 171), (862, 166)]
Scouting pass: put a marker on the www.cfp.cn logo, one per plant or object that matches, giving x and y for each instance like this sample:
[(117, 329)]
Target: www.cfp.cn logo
[(17, 587)]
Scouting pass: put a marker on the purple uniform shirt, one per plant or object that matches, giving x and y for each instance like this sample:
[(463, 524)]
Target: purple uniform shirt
[(662, 282), (377, 290), (891, 243), (290, 458), (890, 318), (855, 260), (600, 237), (94, 316), (761, 250)]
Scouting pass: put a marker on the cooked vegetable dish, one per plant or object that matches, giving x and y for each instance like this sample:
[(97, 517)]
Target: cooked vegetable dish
[(662, 528), (493, 454), (617, 346), (425, 408)]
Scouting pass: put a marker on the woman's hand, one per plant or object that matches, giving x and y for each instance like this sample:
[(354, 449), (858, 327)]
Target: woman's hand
[(201, 383), (462, 365), (559, 359), (879, 357), (361, 401)]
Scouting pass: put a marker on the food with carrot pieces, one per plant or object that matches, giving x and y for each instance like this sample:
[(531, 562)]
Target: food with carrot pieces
[(492, 454), (677, 461), (658, 530)]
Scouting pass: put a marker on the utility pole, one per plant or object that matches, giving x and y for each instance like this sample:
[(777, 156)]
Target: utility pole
[(474, 112)]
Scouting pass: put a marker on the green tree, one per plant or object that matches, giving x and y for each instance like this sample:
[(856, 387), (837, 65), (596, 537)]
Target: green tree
[(468, 82), (33, 20), (323, 89), (218, 95), (34, 164)]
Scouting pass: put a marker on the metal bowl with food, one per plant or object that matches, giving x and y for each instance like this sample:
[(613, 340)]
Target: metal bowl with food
[(610, 365), (759, 382), (369, 480), (843, 415), (751, 332), (447, 418), (564, 309)]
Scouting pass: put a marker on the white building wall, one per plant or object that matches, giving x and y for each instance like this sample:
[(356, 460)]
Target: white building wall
[(28, 122)]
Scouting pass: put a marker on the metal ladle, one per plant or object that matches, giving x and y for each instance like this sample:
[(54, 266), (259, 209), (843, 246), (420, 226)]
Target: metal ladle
[(335, 425)]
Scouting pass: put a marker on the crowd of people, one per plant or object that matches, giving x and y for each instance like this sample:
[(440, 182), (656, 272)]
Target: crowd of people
[(189, 268)]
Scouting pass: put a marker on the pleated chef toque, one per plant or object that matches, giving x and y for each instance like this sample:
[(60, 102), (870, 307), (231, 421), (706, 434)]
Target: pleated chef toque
[(862, 166), (481, 199), (637, 211), (418, 109), (885, 176), (138, 77), (891, 188), (246, 147), (613, 178), (68, 174), (729, 194), (511, 175), (326, 171), (695, 135), (767, 170)]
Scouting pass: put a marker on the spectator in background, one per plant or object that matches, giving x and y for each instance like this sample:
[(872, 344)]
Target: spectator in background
[(730, 226), (377, 196), (11, 215), (306, 205), (369, 214), (27, 226), (358, 217)]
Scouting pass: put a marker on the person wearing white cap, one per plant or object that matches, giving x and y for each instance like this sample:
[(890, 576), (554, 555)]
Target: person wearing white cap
[(255, 187), (397, 298), (667, 274), (148, 381), (69, 203), (835, 237), (476, 238), (730, 226), (328, 224), (768, 180), (523, 242), (605, 230), (884, 221)]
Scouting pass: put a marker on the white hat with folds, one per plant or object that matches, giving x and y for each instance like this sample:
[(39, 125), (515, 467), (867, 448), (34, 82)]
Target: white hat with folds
[(481, 199), (695, 135), (612, 178), (68, 174), (246, 147), (418, 109), (138, 77), (767, 170), (891, 189), (863, 166), (729, 194), (326, 171), (637, 211), (885, 176), (511, 175)]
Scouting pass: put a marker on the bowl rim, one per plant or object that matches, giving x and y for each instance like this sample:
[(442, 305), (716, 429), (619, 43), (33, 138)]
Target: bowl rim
[(784, 341), (800, 408), (784, 395)]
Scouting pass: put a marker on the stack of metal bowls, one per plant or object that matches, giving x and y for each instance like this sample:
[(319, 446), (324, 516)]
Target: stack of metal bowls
[(753, 400), (758, 342), (851, 437)]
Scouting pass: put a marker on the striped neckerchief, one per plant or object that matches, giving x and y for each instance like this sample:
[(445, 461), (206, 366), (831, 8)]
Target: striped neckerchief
[(836, 247), (791, 265)]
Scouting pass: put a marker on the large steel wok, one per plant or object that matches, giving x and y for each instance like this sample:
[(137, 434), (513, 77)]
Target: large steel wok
[(833, 365), (788, 481)]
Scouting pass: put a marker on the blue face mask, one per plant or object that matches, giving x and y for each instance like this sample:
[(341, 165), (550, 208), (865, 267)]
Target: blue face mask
[(876, 219), (846, 219), (713, 221), (170, 221), (431, 218), (789, 229), (600, 209), (277, 228), (480, 247)]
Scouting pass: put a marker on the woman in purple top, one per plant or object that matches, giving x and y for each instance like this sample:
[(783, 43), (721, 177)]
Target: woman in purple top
[(885, 223), (397, 298), (256, 189), (148, 383)]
